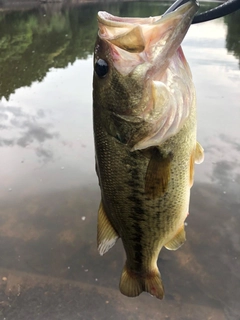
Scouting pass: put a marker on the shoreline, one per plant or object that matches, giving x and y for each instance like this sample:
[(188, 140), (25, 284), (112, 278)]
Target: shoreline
[(6, 5)]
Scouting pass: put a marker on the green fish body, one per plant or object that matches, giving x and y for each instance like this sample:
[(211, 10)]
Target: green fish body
[(144, 112)]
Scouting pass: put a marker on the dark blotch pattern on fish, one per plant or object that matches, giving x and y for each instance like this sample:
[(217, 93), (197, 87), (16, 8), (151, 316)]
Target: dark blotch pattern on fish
[(137, 214)]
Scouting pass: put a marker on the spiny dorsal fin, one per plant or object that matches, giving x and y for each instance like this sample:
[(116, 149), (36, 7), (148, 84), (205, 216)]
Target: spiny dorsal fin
[(132, 41), (158, 174), (106, 234), (199, 153), (177, 241)]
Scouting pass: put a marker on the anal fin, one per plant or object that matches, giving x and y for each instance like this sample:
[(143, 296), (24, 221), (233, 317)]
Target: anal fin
[(106, 234), (132, 284), (158, 174), (177, 241)]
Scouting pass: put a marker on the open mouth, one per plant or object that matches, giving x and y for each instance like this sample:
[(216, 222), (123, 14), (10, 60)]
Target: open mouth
[(180, 7), (150, 36)]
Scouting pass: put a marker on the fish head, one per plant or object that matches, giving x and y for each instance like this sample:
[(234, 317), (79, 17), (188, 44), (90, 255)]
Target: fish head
[(141, 77)]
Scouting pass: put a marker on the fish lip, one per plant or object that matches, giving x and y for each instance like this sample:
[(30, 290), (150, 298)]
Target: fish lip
[(110, 20), (178, 3), (187, 10), (157, 46)]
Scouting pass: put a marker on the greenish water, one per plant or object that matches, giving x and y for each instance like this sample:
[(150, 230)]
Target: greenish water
[(49, 193)]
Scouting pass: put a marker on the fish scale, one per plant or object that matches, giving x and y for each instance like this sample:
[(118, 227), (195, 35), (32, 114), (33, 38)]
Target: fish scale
[(144, 115), (131, 201)]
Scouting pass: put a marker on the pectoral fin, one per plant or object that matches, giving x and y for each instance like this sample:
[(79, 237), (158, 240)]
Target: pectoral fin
[(158, 174), (106, 234), (199, 153), (177, 241)]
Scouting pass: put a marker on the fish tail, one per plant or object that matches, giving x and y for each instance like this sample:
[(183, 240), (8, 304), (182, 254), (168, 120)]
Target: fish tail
[(132, 284)]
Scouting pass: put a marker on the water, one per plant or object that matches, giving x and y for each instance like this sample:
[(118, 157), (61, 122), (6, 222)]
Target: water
[(49, 195)]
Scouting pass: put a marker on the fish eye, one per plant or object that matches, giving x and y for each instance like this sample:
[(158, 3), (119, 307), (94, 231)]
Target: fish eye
[(101, 68)]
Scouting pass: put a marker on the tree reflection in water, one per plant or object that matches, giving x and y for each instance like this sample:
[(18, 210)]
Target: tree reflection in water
[(34, 41), (233, 34)]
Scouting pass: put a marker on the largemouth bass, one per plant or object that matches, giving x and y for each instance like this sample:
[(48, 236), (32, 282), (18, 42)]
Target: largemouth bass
[(144, 111)]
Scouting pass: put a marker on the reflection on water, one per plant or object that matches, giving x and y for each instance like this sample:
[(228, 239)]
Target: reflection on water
[(33, 42), (232, 39), (49, 267)]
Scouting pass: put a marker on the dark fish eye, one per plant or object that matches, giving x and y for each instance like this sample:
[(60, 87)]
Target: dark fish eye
[(101, 68)]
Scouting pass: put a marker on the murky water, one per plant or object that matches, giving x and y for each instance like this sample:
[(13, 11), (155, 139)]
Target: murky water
[(49, 195)]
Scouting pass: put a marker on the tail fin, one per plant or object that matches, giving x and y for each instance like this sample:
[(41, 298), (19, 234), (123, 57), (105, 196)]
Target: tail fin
[(132, 284)]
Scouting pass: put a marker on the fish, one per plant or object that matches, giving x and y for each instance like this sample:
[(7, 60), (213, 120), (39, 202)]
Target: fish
[(144, 123)]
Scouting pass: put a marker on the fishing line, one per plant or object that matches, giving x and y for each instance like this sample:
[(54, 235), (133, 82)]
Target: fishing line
[(220, 11), (227, 7)]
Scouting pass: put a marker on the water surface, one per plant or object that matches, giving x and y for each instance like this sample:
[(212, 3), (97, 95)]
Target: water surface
[(49, 195)]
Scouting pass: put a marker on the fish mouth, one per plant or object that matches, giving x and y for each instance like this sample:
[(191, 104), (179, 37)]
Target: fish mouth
[(148, 49), (115, 21), (140, 40), (109, 24), (177, 4)]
